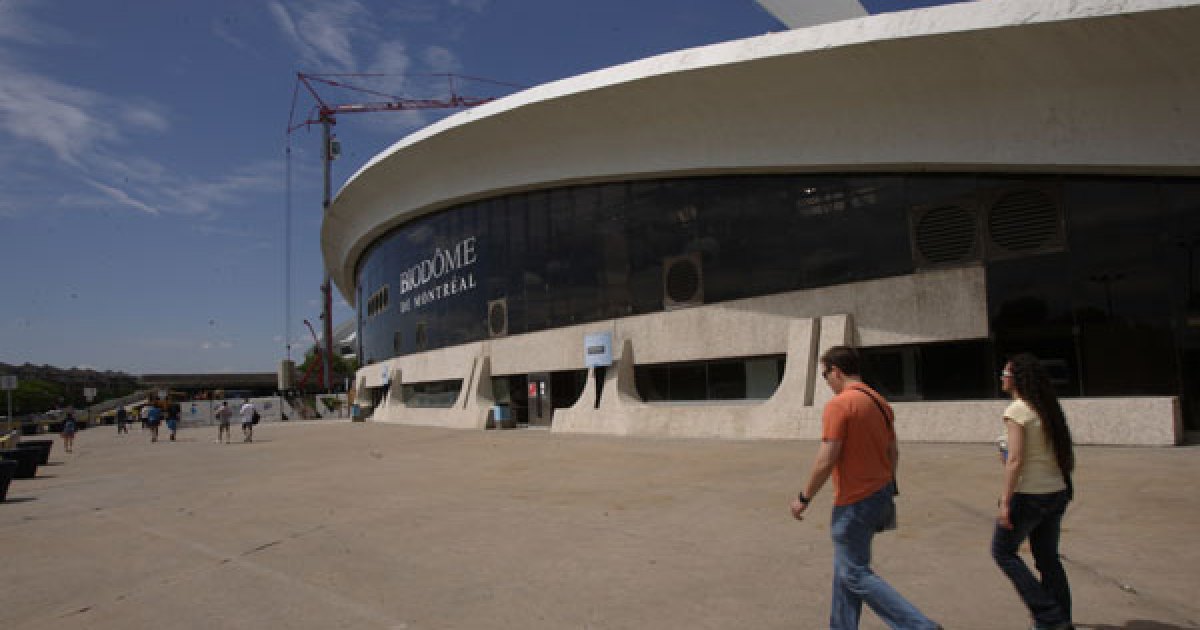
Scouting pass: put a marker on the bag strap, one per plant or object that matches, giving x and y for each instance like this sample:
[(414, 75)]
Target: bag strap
[(882, 410), (891, 422)]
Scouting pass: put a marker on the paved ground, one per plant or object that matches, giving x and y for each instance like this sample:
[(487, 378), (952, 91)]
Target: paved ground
[(338, 525)]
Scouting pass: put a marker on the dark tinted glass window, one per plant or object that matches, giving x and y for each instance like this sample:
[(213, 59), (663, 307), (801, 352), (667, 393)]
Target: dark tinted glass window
[(1121, 239), (754, 378)]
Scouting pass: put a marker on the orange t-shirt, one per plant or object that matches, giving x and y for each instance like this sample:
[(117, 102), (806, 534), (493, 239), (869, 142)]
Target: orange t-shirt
[(864, 465)]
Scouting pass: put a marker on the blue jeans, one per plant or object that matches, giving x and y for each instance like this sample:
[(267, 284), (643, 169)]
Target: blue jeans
[(854, 582), (1039, 518)]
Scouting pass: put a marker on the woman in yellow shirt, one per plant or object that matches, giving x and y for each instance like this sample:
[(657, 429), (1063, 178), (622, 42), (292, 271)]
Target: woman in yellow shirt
[(1037, 488)]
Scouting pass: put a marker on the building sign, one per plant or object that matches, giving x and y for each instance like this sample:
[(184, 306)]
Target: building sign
[(444, 273), (597, 350)]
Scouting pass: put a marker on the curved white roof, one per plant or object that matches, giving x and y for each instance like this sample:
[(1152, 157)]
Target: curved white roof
[(1102, 86)]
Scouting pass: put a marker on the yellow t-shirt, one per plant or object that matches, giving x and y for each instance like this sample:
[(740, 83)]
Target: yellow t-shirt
[(1039, 472)]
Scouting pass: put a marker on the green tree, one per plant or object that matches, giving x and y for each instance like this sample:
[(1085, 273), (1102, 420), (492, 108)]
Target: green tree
[(343, 368)]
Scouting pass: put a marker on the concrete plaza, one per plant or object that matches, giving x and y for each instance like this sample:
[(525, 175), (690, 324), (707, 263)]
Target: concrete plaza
[(340, 525)]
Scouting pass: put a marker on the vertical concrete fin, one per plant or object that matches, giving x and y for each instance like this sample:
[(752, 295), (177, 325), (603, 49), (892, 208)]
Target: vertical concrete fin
[(587, 398), (468, 387), (481, 396), (836, 330), (627, 388), (806, 357), (795, 385)]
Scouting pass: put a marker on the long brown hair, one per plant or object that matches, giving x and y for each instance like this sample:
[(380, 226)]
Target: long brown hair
[(1034, 387)]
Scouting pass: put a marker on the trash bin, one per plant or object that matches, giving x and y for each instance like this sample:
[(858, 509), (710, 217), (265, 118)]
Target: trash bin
[(41, 446), (27, 461), (502, 416), (8, 469), (356, 414)]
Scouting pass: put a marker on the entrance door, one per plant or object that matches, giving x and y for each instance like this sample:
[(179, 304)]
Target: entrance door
[(540, 394)]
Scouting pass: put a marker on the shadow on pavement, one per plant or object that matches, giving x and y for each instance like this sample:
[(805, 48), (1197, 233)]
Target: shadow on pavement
[(1135, 624), (19, 499)]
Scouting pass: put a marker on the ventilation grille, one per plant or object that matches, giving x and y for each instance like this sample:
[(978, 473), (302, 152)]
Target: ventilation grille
[(497, 317), (683, 281), (1024, 222), (945, 235), (994, 225)]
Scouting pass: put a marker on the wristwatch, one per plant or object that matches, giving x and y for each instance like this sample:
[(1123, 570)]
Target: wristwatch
[(803, 499)]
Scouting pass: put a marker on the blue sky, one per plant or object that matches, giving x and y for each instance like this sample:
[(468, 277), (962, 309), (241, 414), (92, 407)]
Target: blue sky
[(142, 196)]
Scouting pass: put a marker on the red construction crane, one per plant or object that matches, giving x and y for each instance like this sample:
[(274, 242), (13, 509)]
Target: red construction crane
[(325, 114), (317, 363)]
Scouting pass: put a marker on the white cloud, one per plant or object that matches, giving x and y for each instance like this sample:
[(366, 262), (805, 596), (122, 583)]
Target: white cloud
[(16, 25), (391, 58), (222, 31), (122, 198), (146, 117), (323, 31), (196, 196), (472, 5), (442, 59), (52, 114)]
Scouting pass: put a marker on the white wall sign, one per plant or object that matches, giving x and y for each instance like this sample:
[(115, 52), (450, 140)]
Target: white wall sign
[(597, 349), (89, 393)]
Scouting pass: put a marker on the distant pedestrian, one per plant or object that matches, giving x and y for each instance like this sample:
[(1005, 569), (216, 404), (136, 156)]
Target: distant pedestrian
[(68, 431), (223, 414), (173, 412), (153, 420), (144, 414), (1039, 460), (122, 420), (249, 418), (858, 447)]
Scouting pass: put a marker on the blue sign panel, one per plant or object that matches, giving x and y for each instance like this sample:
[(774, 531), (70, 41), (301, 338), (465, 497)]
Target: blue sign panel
[(597, 350)]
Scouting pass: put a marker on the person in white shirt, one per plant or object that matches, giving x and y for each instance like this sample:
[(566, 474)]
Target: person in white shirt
[(248, 412)]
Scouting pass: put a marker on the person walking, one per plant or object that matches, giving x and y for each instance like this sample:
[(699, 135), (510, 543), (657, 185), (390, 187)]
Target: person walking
[(69, 427), (122, 420), (249, 417), (223, 415), (173, 412), (1038, 461), (153, 420), (858, 447), (144, 414)]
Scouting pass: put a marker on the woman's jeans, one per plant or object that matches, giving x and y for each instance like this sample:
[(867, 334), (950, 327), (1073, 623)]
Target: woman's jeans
[(854, 582), (1038, 517)]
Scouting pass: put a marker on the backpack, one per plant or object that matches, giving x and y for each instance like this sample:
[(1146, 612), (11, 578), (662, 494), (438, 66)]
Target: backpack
[(255, 418)]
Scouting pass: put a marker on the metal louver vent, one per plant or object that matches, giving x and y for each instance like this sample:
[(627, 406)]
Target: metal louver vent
[(1024, 221), (497, 317), (683, 283), (946, 234)]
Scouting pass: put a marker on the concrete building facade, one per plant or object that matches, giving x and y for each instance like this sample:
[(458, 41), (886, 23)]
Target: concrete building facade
[(940, 187)]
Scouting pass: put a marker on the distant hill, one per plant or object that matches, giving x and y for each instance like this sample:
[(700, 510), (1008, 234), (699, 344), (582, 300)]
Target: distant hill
[(44, 387)]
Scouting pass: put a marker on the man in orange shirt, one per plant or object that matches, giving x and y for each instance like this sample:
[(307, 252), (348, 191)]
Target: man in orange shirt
[(858, 447)]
